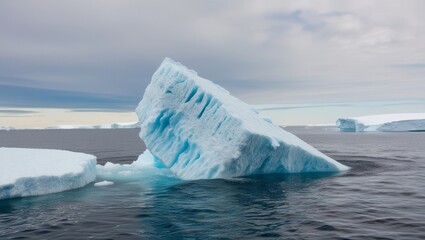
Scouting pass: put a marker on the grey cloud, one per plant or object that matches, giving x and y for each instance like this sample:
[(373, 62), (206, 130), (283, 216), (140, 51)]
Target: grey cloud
[(307, 20), (279, 51), (340, 104)]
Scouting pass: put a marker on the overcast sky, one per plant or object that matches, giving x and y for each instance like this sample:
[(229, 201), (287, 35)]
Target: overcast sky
[(101, 54)]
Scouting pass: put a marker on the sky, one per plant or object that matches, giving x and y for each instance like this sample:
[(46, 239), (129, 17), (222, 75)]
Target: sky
[(85, 54)]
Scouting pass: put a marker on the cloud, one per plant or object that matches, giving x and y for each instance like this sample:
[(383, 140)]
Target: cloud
[(103, 53), (308, 21), (13, 96), (267, 107), (409, 65)]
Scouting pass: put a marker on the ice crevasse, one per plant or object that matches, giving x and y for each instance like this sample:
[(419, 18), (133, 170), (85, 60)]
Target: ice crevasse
[(199, 131)]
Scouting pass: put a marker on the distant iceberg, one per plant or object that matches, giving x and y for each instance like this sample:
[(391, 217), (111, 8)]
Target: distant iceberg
[(7, 128), (99, 126), (31, 172), (125, 125), (402, 122), (199, 131), (69, 126)]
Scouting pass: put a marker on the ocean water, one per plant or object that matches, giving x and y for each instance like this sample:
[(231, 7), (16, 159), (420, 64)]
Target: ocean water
[(381, 197)]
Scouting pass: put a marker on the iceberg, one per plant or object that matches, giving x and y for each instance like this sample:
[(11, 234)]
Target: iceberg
[(7, 128), (125, 125), (401, 122), (100, 126), (77, 127), (198, 130), (31, 172)]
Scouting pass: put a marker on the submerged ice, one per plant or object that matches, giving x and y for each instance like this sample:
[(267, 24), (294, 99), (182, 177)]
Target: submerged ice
[(198, 130), (30, 172), (401, 122), (146, 165), (147, 170)]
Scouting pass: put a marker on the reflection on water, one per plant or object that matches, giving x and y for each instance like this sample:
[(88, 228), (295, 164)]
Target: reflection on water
[(165, 209), (260, 206)]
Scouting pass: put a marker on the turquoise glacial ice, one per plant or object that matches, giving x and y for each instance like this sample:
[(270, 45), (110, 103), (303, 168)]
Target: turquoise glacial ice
[(199, 131)]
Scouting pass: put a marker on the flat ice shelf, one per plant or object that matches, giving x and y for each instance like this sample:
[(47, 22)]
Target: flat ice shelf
[(30, 172)]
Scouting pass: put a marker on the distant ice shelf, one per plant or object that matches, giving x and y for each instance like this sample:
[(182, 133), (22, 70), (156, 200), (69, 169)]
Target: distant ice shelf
[(98, 126), (199, 131), (402, 122), (7, 128), (31, 172)]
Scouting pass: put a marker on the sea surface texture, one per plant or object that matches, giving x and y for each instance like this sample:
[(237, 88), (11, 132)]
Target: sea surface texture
[(381, 197)]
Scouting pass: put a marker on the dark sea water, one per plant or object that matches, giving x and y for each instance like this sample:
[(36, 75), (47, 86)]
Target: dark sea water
[(381, 197)]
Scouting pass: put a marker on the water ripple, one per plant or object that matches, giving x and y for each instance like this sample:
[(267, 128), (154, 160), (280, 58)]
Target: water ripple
[(381, 197)]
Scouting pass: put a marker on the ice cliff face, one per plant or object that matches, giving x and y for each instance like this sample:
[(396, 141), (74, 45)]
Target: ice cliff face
[(402, 122), (198, 130)]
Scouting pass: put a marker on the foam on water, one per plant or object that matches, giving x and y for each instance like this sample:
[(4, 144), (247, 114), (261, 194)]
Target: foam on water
[(146, 166)]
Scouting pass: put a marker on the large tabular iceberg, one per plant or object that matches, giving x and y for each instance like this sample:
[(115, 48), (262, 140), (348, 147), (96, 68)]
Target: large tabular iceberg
[(30, 172), (401, 122), (198, 130)]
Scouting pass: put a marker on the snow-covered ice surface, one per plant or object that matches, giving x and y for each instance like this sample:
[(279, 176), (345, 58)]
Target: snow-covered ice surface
[(30, 172), (401, 122), (199, 131)]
